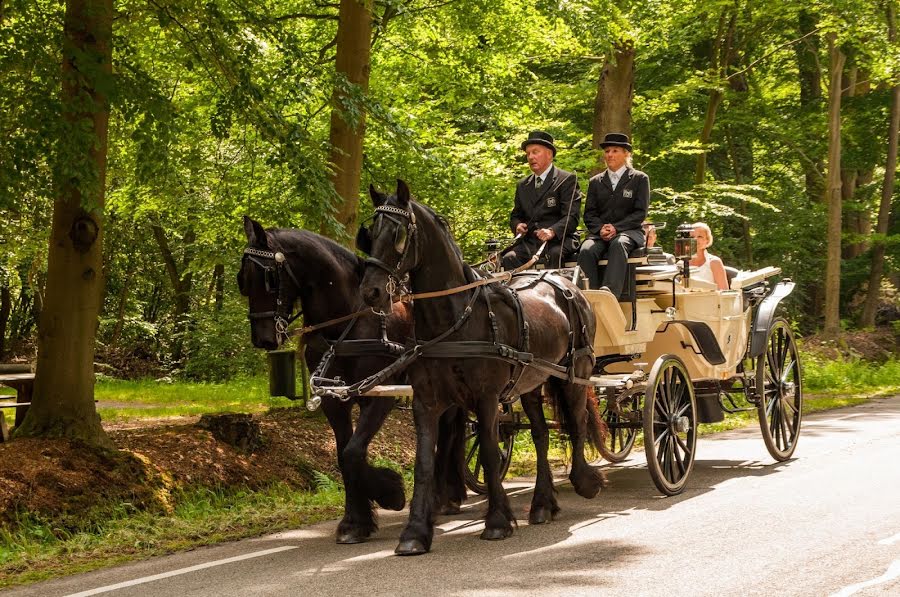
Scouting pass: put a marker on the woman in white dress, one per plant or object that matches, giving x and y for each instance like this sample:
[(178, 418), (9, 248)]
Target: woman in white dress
[(704, 265)]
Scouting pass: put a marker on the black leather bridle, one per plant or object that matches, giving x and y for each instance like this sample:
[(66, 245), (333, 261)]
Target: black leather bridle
[(398, 276), (273, 264)]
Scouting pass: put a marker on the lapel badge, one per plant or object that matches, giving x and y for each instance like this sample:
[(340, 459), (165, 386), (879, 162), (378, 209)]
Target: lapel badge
[(627, 193), (551, 201)]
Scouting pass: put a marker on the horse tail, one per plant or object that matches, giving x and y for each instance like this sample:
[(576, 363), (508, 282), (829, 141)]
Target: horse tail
[(597, 429)]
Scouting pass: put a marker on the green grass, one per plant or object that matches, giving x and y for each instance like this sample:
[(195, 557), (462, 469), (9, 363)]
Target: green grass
[(37, 550), (850, 376), (151, 399)]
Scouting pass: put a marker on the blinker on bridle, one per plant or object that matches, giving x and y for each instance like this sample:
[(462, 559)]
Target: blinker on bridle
[(272, 276), (397, 280)]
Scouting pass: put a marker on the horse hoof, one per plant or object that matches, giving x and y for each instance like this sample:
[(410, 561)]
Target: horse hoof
[(351, 538), (539, 515), (411, 547), (496, 534), (451, 508)]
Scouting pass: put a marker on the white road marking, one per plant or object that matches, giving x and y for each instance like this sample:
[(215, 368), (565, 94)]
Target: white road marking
[(890, 540), (146, 579), (893, 572)]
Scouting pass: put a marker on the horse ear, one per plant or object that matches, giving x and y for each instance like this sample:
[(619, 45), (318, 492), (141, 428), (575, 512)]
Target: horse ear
[(402, 192), (256, 236), (364, 240), (377, 198)]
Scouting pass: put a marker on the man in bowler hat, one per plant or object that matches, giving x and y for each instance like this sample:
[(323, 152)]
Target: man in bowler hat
[(617, 203), (547, 207)]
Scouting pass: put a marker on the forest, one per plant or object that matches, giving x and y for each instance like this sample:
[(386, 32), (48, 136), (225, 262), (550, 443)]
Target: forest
[(137, 133)]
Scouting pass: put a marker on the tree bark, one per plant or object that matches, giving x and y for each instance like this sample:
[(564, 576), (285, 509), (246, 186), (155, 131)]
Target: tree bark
[(887, 192), (810, 95), (721, 56), (615, 93), (5, 308), (182, 284), (348, 116), (63, 398), (219, 276), (833, 193), (120, 310)]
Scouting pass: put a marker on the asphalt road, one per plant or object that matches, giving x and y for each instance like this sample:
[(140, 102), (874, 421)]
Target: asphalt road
[(825, 523)]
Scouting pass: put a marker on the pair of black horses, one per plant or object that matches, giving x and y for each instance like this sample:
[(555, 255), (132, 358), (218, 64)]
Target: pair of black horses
[(409, 243)]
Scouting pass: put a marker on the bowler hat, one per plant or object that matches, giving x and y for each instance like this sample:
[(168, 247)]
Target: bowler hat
[(539, 138), (616, 140)]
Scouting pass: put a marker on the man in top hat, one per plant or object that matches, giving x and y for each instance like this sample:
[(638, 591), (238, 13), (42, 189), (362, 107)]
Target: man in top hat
[(617, 203), (547, 207)]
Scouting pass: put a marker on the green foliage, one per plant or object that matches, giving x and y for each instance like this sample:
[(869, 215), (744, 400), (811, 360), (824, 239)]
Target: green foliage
[(222, 108), (852, 375)]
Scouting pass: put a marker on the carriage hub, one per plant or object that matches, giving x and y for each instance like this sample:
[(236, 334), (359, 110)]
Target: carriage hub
[(681, 424), (788, 389)]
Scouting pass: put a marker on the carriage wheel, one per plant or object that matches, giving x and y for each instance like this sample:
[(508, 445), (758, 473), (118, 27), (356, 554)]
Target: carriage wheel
[(670, 424), (474, 470), (779, 392), (618, 442)]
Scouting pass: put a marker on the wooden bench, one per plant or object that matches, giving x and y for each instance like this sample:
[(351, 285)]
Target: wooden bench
[(21, 379)]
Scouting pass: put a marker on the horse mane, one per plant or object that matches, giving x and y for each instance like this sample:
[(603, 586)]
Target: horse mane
[(318, 252)]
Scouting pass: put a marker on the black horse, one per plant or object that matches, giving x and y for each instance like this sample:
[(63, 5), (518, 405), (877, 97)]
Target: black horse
[(282, 266), (473, 348)]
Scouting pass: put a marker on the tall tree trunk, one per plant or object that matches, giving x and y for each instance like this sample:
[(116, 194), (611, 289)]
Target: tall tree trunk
[(219, 276), (5, 308), (182, 284), (63, 398), (833, 193), (740, 152), (807, 52), (856, 221), (120, 310), (354, 37), (615, 93), (721, 55), (887, 191)]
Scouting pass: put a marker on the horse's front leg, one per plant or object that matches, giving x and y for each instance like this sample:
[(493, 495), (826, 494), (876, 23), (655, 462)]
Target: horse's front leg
[(499, 519), (358, 522), (544, 506), (419, 531)]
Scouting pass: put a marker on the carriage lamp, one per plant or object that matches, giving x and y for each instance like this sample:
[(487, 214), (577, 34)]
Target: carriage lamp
[(685, 247), (685, 244)]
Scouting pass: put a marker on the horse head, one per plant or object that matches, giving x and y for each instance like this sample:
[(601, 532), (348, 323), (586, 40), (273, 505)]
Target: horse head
[(392, 245), (268, 281)]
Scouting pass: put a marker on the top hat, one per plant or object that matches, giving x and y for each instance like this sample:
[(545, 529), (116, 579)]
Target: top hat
[(540, 138), (615, 140)]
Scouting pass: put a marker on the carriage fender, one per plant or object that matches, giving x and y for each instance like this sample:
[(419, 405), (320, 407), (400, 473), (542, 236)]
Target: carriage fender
[(765, 315), (706, 341)]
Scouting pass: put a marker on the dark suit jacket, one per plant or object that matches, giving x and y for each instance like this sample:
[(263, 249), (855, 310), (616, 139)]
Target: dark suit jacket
[(556, 206), (625, 208)]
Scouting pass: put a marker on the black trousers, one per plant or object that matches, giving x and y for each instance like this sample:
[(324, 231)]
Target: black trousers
[(523, 251), (616, 251)]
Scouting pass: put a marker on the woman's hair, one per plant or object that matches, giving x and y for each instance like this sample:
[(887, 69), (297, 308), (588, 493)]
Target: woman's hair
[(705, 229), (628, 159)]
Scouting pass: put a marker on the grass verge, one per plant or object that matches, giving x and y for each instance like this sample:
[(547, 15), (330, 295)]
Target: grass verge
[(39, 550)]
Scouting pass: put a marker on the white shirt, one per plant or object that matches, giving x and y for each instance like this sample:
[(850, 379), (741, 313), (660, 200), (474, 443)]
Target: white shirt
[(543, 175), (615, 176)]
